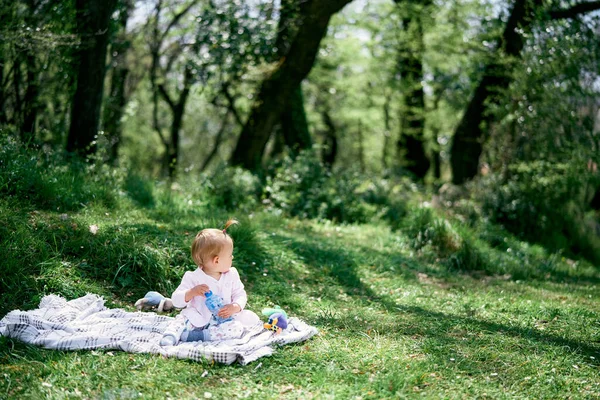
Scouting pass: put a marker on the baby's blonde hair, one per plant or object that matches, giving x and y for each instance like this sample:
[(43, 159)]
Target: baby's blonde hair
[(209, 243)]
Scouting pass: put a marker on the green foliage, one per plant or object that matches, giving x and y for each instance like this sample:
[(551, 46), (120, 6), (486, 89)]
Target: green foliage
[(540, 201), (425, 229), (551, 106), (139, 190), (233, 188), (305, 187), (41, 177)]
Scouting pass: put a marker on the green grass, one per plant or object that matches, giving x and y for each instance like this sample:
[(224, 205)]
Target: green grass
[(435, 309)]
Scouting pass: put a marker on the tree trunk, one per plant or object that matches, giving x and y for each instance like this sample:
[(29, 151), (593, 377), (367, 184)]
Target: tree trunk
[(386, 134), (115, 104), (92, 24), (218, 140), (30, 106), (16, 117), (411, 144), (3, 118), (5, 14), (361, 148), (178, 110), (293, 123), (276, 90), (294, 126), (174, 149), (468, 139), (437, 165), (330, 145)]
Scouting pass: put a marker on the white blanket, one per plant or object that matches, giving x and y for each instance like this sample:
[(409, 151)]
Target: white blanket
[(85, 323)]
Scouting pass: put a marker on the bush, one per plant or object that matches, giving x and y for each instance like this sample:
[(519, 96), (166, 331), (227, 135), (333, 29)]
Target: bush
[(233, 188), (423, 229), (139, 190), (51, 182), (304, 187), (538, 201)]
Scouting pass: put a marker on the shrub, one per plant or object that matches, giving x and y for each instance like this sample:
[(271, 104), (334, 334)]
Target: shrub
[(304, 187), (425, 229), (51, 182), (538, 201), (233, 188), (139, 190)]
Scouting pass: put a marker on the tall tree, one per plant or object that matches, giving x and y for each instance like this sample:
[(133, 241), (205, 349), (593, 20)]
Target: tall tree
[(93, 17), (26, 85), (410, 148), (330, 142), (158, 75), (30, 100), (277, 88), (294, 126), (117, 98), (2, 84), (470, 133)]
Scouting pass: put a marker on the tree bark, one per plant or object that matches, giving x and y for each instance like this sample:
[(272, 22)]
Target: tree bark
[(387, 133), (30, 106), (361, 148), (276, 90), (330, 145), (5, 14), (2, 94), (178, 111), (218, 140), (410, 148), (115, 104), (294, 126), (92, 24), (16, 117)]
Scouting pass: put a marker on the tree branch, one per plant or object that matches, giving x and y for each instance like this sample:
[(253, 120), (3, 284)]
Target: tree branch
[(575, 10), (6, 81), (176, 19), (175, 50), (216, 144), (155, 122), (165, 95), (231, 102)]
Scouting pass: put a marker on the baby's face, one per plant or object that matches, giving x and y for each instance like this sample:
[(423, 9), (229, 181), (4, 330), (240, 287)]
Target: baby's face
[(225, 258)]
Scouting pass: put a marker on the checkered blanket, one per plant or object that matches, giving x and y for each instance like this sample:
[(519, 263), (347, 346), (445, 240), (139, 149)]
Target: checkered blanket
[(85, 323)]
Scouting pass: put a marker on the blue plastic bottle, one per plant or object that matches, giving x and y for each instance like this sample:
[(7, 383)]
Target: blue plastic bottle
[(214, 303)]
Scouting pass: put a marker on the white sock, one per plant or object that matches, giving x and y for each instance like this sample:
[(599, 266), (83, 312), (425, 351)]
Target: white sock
[(168, 340)]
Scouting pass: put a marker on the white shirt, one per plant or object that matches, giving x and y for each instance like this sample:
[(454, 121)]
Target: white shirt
[(228, 286)]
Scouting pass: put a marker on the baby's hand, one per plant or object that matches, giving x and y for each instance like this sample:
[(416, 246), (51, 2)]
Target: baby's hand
[(228, 310), (200, 290)]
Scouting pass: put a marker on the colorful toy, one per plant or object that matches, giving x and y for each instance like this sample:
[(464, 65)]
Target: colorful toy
[(154, 299), (278, 319)]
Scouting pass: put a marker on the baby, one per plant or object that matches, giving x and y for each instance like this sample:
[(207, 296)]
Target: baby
[(212, 251)]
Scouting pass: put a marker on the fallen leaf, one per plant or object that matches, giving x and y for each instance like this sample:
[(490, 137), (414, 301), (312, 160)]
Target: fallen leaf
[(286, 389)]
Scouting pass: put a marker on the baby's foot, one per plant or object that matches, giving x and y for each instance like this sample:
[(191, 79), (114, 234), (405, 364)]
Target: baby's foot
[(168, 340)]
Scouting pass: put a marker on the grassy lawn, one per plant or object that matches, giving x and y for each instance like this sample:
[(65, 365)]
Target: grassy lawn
[(395, 319)]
